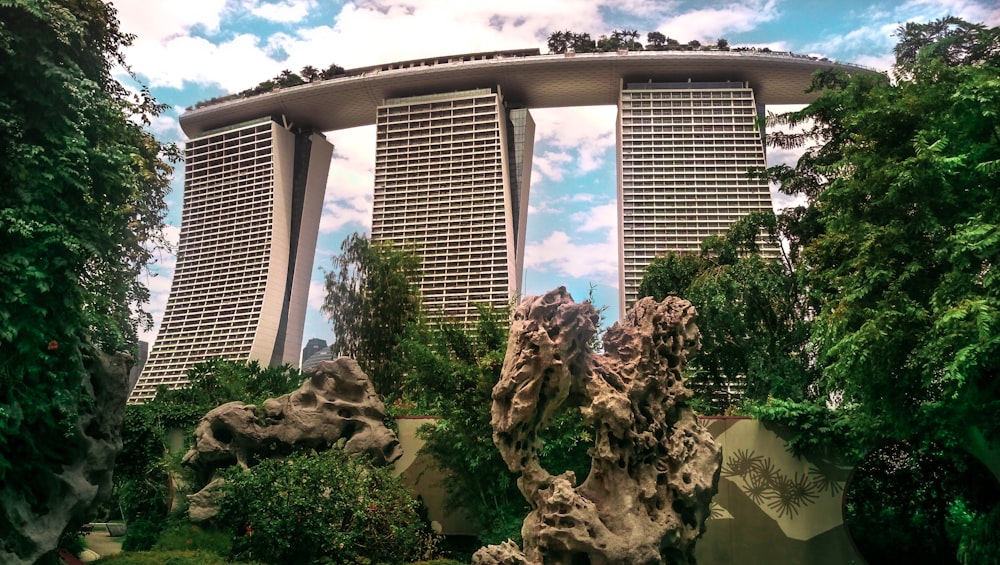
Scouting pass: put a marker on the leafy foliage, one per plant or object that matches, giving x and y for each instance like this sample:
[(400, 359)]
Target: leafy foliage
[(81, 206), (751, 313), (142, 485), (900, 501), (622, 39), (453, 371), (371, 300), (902, 243), (897, 246), (213, 383), (319, 508)]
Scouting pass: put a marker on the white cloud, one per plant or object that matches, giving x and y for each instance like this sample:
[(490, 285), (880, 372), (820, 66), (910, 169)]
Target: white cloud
[(604, 216), (973, 11), (348, 198), (549, 165), (581, 136), (559, 255), (317, 294), (709, 24), (289, 11), (159, 21)]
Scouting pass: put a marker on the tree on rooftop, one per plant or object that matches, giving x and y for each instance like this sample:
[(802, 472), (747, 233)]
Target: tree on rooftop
[(656, 41)]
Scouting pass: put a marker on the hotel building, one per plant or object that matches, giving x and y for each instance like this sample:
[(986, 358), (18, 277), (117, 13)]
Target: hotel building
[(253, 194), (453, 161), (452, 175), (684, 152)]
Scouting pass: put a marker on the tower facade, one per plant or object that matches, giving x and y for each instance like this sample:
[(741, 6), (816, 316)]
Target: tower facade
[(253, 194), (452, 175), (684, 153)]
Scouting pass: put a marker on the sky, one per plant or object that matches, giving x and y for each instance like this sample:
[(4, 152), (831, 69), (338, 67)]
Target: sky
[(190, 50)]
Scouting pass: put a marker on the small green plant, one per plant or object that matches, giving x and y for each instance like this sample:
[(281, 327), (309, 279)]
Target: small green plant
[(165, 558), (185, 536), (320, 508)]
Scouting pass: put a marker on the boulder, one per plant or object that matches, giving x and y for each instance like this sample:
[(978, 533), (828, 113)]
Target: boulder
[(654, 467), (71, 493), (336, 404)]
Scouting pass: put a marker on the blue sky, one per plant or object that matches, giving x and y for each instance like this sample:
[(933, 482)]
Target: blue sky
[(189, 50)]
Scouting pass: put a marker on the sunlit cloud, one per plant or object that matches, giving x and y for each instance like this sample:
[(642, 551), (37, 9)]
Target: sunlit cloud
[(709, 24)]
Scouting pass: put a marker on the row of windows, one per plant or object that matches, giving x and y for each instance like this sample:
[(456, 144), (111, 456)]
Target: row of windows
[(735, 93)]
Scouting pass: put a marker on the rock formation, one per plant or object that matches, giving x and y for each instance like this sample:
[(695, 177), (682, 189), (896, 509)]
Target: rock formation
[(654, 468), (336, 404), (71, 495)]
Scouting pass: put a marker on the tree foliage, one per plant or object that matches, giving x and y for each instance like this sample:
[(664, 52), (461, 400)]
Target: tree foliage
[(326, 507), (898, 244), (81, 206), (904, 240), (372, 299), (453, 371), (751, 314)]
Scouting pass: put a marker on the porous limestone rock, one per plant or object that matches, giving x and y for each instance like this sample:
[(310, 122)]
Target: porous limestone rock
[(335, 404), (71, 494), (654, 468)]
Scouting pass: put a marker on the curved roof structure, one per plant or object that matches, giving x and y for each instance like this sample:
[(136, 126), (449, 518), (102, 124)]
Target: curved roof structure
[(539, 81)]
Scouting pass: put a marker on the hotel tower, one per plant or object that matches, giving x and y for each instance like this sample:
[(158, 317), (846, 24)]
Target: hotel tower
[(454, 142), (684, 152), (253, 194), (451, 183)]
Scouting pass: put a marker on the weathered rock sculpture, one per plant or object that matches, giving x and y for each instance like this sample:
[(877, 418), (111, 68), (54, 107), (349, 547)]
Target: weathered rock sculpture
[(71, 495), (654, 468), (336, 404)]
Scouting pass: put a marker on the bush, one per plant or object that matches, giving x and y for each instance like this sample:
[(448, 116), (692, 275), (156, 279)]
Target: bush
[(191, 537), (140, 535), (320, 508), (164, 558)]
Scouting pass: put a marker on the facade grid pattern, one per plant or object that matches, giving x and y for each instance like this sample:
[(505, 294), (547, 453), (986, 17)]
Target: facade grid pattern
[(223, 258), (685, 151), (443, 189)]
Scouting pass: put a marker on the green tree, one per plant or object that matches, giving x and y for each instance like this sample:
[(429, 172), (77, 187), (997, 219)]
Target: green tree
[(81, 206), (656, 41), (558, 41), (451, 373), (751, 313), (582, 43), (372, 298), (213, 383), (901, 241), (909, 235)]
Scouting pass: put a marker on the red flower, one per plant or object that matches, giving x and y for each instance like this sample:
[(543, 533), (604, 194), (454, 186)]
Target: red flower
[(53, 345), (249, 530)]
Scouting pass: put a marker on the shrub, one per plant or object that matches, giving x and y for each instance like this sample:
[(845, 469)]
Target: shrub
[(140, 535), (191, 537), (319, 508), (164, 558)]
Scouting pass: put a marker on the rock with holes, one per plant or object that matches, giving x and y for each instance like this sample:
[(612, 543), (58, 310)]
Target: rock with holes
[(335, 405), (654, 468), (63, 497)]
